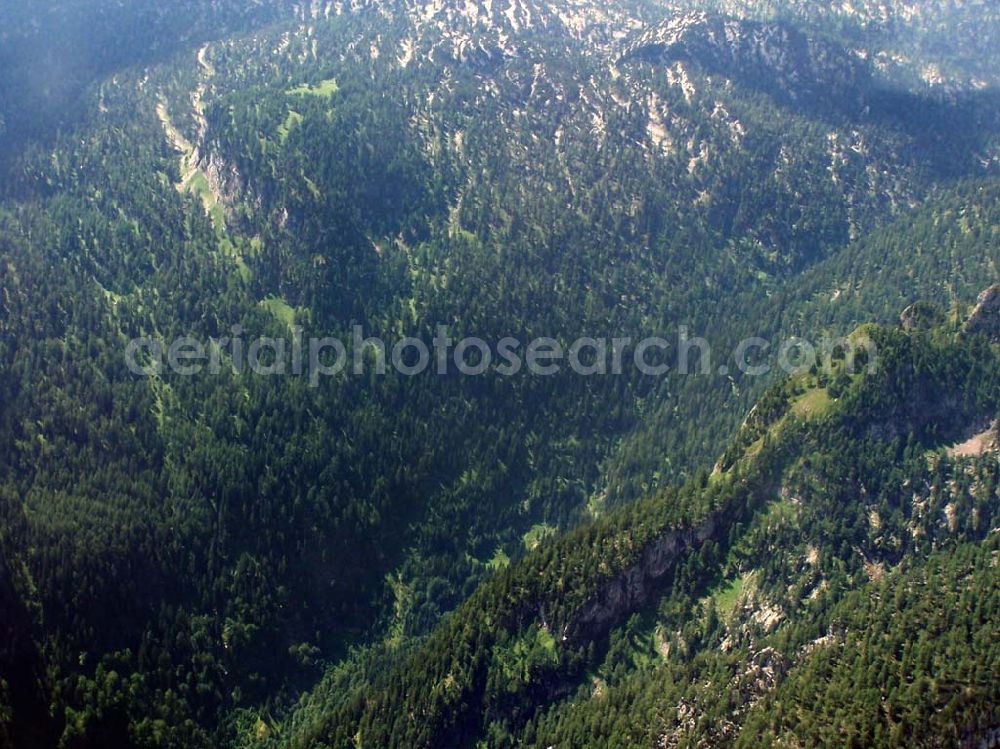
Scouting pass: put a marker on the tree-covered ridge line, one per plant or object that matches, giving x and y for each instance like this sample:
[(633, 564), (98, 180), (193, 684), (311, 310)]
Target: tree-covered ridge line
[(850, 509), (460, 686), (559, 598)]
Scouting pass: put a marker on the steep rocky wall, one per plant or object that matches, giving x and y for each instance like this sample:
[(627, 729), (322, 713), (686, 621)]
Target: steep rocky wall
[(779, 58), (633, 588), (986, 317)]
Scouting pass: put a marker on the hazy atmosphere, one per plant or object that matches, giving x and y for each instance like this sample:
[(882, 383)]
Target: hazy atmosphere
[(498, 373)]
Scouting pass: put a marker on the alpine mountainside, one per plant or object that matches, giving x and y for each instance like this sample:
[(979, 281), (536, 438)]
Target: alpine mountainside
[(233, 560), (831, 581), (930, 43)]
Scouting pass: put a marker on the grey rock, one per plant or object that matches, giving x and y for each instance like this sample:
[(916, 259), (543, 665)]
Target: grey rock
[(985, 319)]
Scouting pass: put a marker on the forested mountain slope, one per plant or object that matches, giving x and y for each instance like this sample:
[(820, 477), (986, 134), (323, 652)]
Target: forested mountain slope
[(704, 614), (182, 558)]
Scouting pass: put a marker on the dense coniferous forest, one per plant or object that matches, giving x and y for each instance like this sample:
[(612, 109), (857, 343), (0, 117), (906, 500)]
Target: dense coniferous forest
[(379, 560)]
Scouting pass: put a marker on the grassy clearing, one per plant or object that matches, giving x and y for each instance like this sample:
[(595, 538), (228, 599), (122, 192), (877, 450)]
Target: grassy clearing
[(597, 505), (519, 660), (546, 641), (233, 248), (198, 185), (728, 595), (323, 89), (778, 513), (280, 309), (218, 218), (293, 119), (244, 270), (815, 402), (534, 537)]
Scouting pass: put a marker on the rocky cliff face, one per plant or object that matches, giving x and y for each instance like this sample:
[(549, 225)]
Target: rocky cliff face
[(633, 588), (985, 318), (229, 188), (940, 44), (774, 57), (921, 316)]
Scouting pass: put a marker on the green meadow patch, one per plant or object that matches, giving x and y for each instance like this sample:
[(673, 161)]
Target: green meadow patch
[(293, 119), (280, 309), (534, 537), (323, 89)]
